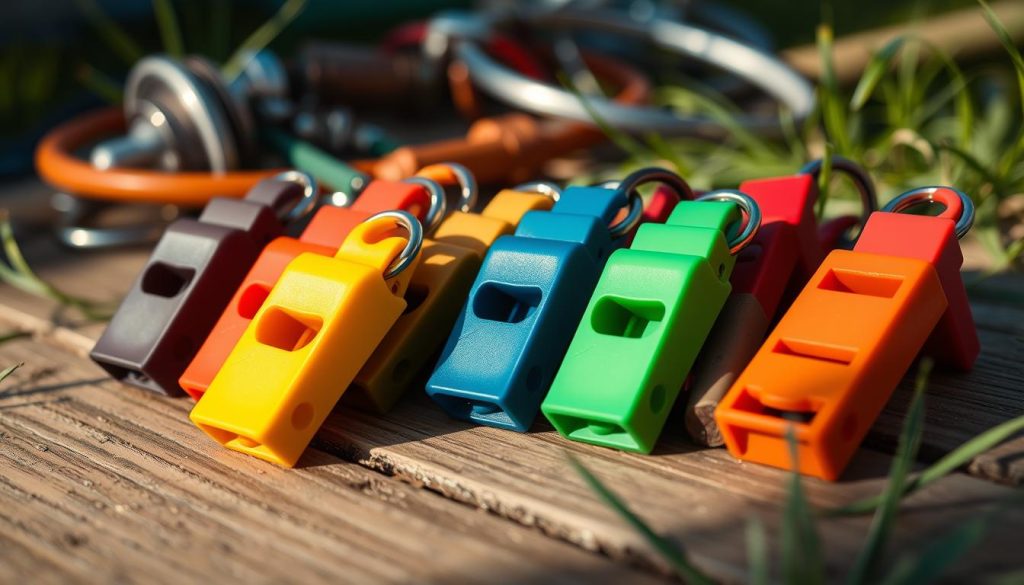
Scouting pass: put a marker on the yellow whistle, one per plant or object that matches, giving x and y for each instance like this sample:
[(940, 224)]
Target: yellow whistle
[(437, 291), (313, 333)]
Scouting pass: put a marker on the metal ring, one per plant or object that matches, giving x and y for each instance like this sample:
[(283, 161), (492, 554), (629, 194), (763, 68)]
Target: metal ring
[(909, 199), (310, 193), (550, 190), (469, 191), (438, 202), (861, 179), (755, 66), (412, 246), (746, 204), (633, 181), (211, 124)]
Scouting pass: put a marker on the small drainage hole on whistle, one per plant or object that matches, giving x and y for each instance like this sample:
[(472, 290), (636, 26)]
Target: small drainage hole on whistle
[(302, 416), (657, 399)]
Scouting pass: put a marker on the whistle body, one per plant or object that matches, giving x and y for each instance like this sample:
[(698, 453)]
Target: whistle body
[(436, 293), (304, 346), (521, 311), (832, 361), (189, 278), (323, 236), (648, 317)]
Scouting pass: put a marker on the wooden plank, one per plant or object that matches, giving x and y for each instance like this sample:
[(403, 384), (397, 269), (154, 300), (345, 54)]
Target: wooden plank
[(960, 405), (108, 483)]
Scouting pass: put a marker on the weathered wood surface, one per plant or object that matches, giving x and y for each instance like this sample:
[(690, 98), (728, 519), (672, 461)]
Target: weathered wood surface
[(144, 446), (104, 483)]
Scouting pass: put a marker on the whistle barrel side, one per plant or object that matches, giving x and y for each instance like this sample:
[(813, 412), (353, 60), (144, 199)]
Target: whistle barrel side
[(832, 362)]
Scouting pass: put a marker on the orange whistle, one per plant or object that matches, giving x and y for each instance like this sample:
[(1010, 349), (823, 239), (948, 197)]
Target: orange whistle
[(835, 357), (322, 236), (317, 327)]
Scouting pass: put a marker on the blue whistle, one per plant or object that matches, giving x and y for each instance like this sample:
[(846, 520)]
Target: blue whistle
[(524, 306)]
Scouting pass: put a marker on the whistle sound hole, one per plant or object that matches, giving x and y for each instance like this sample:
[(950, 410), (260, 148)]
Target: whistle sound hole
[(622, 317), (287, 330), (302, 416), (164, 280), (507, 303), (815, 351), (860, 283), (251, 300)]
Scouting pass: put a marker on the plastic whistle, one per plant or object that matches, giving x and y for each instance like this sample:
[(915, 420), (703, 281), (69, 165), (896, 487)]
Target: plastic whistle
[(650, 313), (324, 235), (307, 342), (835, 357), (529, 294), (437, 291), (192, 273), (784, 253)]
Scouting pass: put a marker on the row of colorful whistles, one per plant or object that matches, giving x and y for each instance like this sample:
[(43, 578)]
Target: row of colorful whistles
[(585, 304)]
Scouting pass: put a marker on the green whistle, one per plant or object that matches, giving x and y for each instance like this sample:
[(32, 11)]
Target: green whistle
[(653, 307)]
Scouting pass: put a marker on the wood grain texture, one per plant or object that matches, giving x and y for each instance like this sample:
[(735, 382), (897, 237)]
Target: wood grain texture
[(105, 483)]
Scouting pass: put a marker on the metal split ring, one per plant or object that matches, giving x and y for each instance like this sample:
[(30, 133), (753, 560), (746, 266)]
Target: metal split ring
[(412, 247), (438, 202), (310, 194), (547, 188), (640, 177), (748, 206), (962, 207), (469, 191), (749, 63), (861, 179)]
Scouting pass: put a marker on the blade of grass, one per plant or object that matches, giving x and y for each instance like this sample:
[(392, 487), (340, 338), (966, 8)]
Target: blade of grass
[(954, 460), (20, 275), (112, 34), (757, 553), (170, 32), (876, 69), (262, 37), (929, 564), (866, 564), (9, 370), (671, 553), (832, 108), (99, 84), (624, 141), (802, 560)]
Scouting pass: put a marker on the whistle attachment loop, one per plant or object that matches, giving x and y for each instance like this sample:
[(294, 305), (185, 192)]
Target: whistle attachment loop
[(307, 342), (648, 317)]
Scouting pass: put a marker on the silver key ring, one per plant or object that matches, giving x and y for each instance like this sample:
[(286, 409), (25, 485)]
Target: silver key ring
[(632, 182), (757, 67), (469, 191), (747, 206), (438, 202), (923, 195), (412, 247), (310, 194), (550, 190)]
